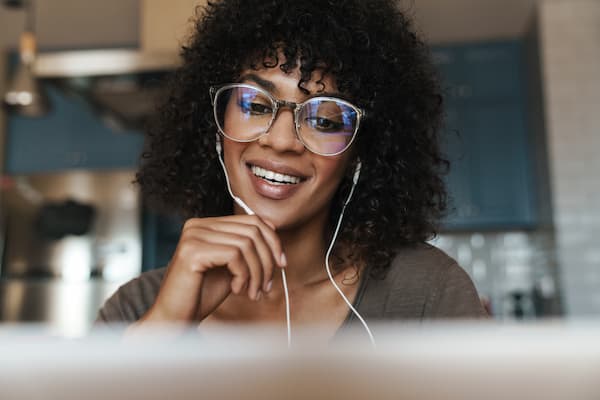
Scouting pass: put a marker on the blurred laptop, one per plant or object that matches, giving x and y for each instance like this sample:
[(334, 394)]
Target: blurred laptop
[(432, 361)]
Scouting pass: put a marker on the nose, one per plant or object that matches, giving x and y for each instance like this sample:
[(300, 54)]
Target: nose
[(282, 137)]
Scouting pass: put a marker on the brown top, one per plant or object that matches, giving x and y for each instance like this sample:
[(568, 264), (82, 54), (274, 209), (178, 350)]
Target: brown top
[(422, 283)]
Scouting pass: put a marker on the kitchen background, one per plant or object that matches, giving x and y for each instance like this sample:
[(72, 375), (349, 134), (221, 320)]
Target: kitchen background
[(523, 115)]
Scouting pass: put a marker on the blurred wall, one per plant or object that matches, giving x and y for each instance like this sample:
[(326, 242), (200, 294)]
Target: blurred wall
[(68, 24), (455, 21), (166, 25), (63, 24), (570, 39)]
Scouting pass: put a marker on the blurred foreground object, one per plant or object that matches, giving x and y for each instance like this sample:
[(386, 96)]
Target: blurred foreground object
[(432, 361)]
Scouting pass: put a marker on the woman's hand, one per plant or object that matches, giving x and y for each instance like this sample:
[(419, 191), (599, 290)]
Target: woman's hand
[(214, 257)]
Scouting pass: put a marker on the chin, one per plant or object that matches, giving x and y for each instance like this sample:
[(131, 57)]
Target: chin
[(281, 221), (290, 220)]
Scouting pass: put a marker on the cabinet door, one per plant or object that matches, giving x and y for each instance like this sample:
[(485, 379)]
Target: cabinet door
[(500, 173), (455, 146), (95, 146), (490, 182), (449, 61), (486, 139), (492, 71), (38, 144), (489, 71), (70, 136), (160, 236)]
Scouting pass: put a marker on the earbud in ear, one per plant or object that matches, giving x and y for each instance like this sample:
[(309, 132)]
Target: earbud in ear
[(357, 171), (218, 146)]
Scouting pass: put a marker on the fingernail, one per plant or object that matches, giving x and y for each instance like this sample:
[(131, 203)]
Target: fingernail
[(270, 224), (269, 286), (258, 295), (283, 260)]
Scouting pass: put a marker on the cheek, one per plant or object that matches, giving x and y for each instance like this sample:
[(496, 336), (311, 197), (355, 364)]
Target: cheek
[(333, 144), (232, 153), (231, 119), (331, 173)]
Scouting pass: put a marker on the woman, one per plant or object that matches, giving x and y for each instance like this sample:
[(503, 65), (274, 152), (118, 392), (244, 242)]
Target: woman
[(307, 102)]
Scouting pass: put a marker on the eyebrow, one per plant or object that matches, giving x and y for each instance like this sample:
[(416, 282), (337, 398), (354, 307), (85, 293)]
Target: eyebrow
[(270, 86)]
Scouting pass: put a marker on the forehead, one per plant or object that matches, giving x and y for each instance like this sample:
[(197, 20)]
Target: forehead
[(286, 83)]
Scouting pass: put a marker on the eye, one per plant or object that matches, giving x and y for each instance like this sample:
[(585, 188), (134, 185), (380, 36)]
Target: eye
[(254, 108), (324, 124)]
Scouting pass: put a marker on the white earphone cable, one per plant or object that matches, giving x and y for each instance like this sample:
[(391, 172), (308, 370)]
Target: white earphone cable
[(249, 211), (288, 317), (339, 223)]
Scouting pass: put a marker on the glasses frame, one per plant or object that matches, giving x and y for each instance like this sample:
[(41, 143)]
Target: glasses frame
[(277, 105)]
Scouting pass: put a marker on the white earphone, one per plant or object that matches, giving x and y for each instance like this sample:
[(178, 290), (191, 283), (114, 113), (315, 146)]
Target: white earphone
[(357, 172), (248, 210)]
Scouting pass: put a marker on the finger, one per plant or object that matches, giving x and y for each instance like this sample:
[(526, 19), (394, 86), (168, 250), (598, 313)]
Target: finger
[(248, 249), (265, 253), (180, 291), (271, 237), (267, 231), (232, 258)]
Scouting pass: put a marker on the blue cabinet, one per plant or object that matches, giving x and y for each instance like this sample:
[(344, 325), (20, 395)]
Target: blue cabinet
[(160, 235), (486, 137), (70, 136), (491, 71)]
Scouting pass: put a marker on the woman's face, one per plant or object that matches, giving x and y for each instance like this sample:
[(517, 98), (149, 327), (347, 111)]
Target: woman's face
[(311, 180)]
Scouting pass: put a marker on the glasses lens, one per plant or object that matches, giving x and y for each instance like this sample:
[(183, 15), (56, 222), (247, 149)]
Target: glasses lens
[(327, 126), (243, 113)]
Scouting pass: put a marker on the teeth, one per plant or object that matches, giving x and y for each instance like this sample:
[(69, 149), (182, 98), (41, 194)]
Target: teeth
[(276, 177)]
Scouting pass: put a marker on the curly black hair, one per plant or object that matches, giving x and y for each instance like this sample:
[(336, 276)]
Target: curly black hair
[(377, 60)]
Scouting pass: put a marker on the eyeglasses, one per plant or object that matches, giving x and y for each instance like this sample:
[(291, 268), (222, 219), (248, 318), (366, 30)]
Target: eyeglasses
[(325, 125)]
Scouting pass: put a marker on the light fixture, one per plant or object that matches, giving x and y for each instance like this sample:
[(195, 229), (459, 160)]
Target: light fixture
[(24, 94)]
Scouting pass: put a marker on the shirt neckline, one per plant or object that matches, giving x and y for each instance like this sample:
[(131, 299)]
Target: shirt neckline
[(357, 301)]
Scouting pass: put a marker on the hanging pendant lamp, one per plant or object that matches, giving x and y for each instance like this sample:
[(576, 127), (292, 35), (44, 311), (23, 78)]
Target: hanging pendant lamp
[(24, 95)]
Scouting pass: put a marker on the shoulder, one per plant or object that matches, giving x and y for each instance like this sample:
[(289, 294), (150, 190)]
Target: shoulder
[(421, 258), (426, 265), (423, 282), (131, 301)]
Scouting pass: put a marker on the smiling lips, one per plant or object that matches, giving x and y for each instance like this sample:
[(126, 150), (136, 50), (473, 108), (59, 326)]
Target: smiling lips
[(274, 177), (278, 183)]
